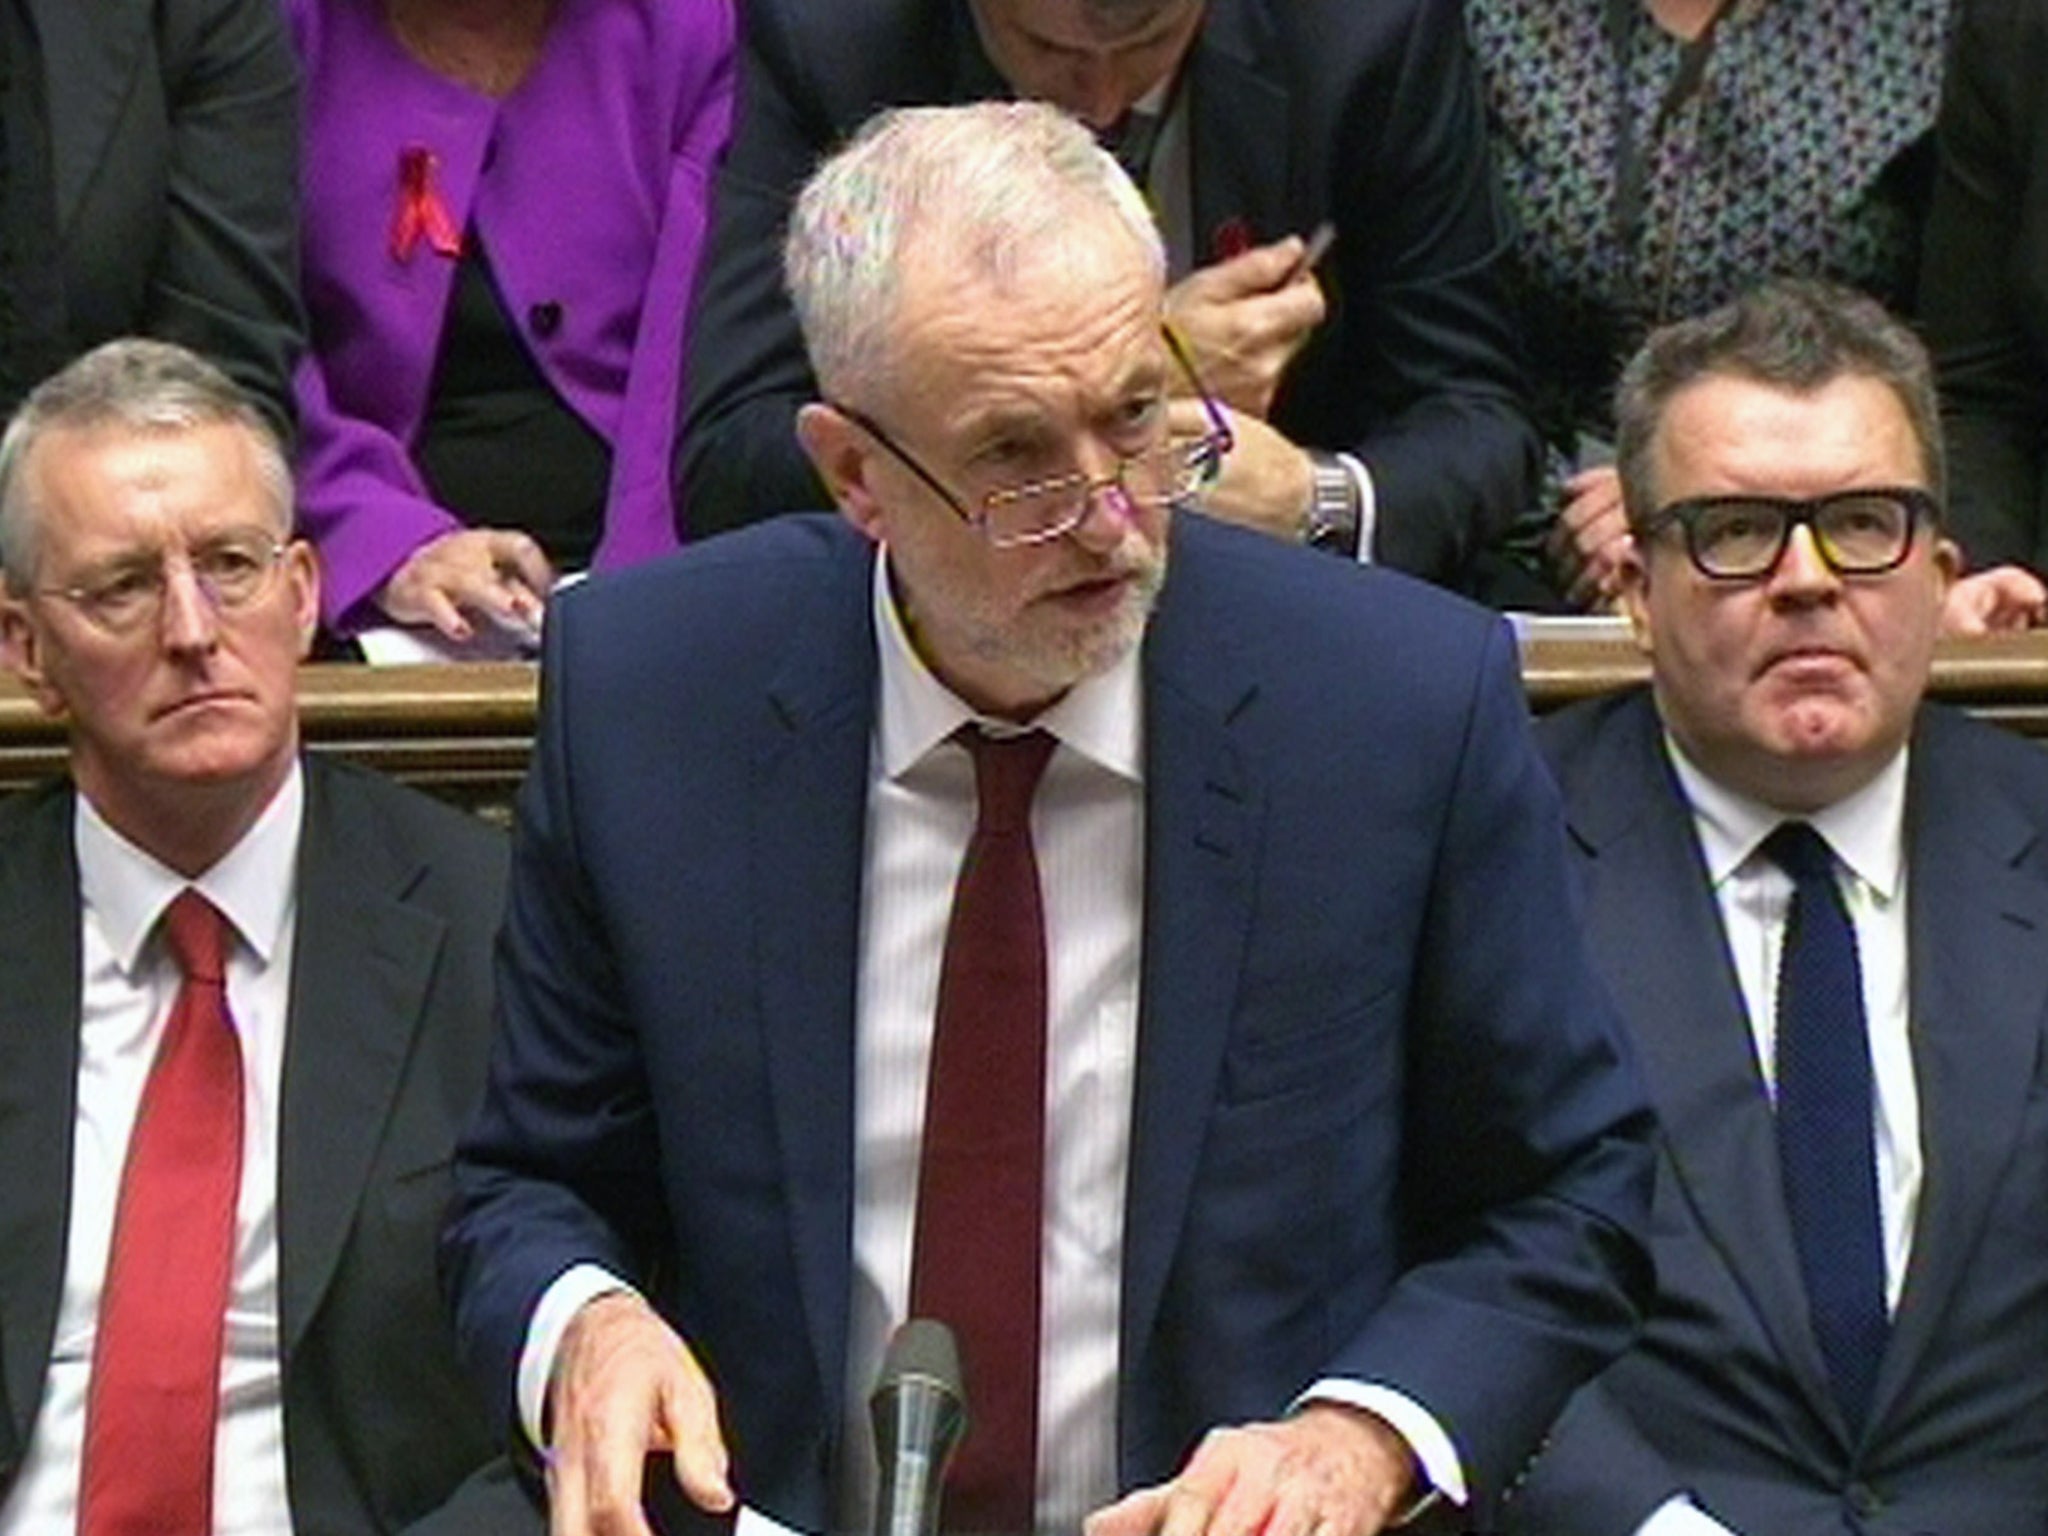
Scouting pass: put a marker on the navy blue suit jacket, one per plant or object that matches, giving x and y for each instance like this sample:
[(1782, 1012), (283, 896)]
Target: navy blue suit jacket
[(1383, 1124), (1727, 1395), (1300, 110)]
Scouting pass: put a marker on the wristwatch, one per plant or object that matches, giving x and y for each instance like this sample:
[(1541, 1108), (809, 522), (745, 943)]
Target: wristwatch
[(1334, 510)]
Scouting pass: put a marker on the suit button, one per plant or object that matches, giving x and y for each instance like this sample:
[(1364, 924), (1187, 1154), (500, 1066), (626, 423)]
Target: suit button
[(544, 318), (1863, 1500)]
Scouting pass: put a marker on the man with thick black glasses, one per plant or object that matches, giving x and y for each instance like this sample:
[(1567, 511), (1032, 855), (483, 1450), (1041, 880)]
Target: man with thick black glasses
[(1819, 903), (1022, 902)]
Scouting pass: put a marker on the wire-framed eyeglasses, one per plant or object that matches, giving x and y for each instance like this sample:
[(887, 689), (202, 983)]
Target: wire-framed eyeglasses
[(1172, 470), (1864, 532), (231, 570)]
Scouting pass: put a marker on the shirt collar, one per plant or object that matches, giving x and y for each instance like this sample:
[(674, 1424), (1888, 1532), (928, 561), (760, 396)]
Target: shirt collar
[(1099, 717), (1865, 829), (127, 888)]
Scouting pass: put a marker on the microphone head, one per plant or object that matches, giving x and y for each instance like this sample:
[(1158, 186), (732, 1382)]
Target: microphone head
[(919, 1413), (922, 1350)]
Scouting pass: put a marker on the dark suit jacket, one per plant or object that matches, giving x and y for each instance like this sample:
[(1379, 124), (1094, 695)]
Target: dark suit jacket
[(1727, 1395), (1301, 110), (384, 1056), (1984, 281), (174, 152), (1382, 1124)]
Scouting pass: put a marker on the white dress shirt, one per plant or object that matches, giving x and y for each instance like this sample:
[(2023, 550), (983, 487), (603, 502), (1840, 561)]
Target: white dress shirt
[(1866, 833), (130, 982), (1087, 826)]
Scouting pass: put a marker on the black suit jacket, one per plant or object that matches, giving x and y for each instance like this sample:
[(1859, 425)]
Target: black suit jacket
[(174, 156), (384, 1058), (1726, 1395), (1984, 283), (1301, 110)]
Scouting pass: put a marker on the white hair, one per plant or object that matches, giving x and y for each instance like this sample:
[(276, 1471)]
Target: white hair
[(145, 386), (990, 184)]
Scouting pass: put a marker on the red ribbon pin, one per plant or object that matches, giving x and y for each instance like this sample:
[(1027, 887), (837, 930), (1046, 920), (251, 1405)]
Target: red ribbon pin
[(420, 209)]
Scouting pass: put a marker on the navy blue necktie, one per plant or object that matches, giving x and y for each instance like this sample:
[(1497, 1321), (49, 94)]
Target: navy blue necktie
[(1826, 1127)]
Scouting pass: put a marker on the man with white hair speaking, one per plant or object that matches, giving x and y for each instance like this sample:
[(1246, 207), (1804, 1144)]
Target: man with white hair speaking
[(1128, 939)]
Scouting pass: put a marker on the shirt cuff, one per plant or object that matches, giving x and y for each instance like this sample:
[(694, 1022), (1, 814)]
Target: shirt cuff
[(1414, 1423), (560, 1302), (1679, 1516), (1368, 503)]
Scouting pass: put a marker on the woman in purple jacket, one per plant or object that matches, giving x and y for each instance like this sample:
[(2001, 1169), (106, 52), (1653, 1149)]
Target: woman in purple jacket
[(504, 202)]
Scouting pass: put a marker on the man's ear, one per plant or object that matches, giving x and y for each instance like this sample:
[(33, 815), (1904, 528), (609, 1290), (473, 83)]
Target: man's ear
[(1949, 563), (21, 652), (1633, 593), (844, 458), (302, 576)]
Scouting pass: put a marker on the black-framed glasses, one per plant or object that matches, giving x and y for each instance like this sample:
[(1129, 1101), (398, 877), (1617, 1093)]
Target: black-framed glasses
[(1864, 532), (1171, 470), (232, 570)]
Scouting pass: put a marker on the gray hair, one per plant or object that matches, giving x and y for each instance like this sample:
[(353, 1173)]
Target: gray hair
[(990, 182), (1794, 334), (144, 386)]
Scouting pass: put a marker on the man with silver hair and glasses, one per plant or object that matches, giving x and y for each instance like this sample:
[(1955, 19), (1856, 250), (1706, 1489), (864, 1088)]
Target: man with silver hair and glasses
[(1020, 903), (243, 1007), (1819, 902)]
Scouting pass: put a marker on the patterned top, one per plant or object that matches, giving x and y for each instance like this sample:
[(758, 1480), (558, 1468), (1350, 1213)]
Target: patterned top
[(1807, 150)]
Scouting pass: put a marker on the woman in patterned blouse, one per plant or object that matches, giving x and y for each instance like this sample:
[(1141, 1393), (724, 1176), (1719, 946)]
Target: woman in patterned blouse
[(1660, 156)]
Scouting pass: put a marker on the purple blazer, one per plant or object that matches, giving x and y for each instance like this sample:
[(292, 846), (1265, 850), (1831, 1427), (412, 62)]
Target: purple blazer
[(588, 186)]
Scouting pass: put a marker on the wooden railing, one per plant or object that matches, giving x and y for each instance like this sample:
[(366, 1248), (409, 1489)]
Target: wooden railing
[(464, 731), (461, 731)]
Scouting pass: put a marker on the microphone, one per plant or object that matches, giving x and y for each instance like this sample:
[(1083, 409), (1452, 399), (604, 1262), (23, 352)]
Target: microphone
[(919, 1412)]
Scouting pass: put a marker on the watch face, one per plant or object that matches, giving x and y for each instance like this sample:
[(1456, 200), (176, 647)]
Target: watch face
[(1333, 510)]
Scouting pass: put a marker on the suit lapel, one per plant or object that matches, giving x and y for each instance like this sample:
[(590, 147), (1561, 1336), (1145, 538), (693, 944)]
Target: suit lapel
[(1238, 122), (1202, 810), (90, 56), (39, 1025), (1658, 936), (361, 964), (1979, 985), (809, 818)]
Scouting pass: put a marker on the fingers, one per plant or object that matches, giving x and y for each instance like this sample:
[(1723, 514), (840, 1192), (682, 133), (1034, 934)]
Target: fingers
[(702, 1467), (496, 573), (2003, 600), (1258, 270), (1136, 1514), (625, 1385), (1328, 1471), (1244, 320), (1591, 539), (518, 557)]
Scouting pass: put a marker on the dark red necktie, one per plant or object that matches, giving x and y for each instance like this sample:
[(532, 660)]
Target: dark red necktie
[(981, 1173), (154, 1398)]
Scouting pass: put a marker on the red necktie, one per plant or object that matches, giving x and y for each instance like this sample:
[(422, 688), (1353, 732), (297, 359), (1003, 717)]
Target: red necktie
[(975, 1265), (155, 1392)]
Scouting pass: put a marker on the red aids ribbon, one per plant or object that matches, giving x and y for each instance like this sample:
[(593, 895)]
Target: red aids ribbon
[(1233, 237), (420, 209)]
